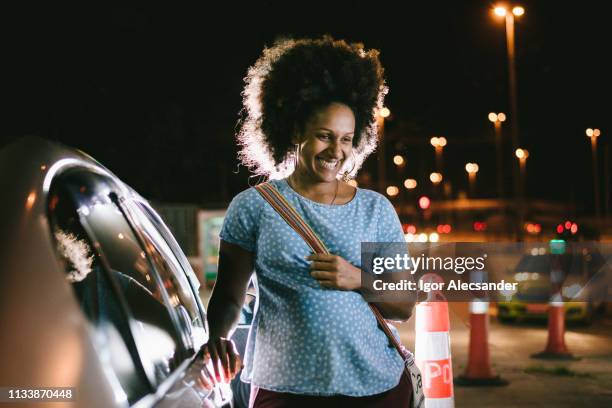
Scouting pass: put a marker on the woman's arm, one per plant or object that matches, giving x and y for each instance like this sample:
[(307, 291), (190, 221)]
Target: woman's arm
[(334, 272), (235, 269)]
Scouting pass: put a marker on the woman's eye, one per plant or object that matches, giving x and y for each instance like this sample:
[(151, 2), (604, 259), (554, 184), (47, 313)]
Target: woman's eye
[(347, 140), (324, 137)]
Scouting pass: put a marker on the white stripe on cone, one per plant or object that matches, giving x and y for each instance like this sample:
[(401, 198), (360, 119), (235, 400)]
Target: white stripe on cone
[(556, 300), (479, 307), (432, 346), (439, 402)]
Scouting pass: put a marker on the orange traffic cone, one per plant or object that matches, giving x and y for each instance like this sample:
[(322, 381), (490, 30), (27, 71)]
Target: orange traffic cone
[(478, 371), (555, 346), (433, 353)]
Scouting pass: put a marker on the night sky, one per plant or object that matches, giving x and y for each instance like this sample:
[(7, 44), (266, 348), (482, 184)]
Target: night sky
[(153, 91)]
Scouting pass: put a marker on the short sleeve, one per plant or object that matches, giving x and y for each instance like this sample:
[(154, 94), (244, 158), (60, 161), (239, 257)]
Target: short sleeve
[(241, 221)]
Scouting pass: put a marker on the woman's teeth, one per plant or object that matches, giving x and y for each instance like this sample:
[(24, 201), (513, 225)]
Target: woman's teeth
[(328, 164)]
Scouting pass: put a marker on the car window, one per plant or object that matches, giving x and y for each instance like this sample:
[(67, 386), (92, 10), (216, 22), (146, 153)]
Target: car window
[(120, 251), (98, 300), (180, 292)]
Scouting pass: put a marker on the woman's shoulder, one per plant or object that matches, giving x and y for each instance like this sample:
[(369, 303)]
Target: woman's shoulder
[(376, 202), (373, 197), (249, 198)]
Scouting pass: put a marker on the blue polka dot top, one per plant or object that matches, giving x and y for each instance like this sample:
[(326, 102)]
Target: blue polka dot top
[(306, 339)]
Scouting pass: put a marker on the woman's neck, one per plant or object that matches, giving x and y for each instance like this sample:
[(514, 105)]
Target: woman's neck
[(321, 191)]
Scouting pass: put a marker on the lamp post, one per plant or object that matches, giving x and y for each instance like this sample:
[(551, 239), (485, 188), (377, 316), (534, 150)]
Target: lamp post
[(593, 134), (521, 155), (607, 180), (498, 119), (380, 119), (438, 143), (509, 17), (436, 179), (472, 169), (517, 11)]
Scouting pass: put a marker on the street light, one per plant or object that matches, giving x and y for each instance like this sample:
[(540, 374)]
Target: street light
[(517, 11), (472, 169), (435, 178), (593, 134), (410, 183), (438, 143), (392, 191), (398, 160), (382, 113), (498, 119), (521, 155)]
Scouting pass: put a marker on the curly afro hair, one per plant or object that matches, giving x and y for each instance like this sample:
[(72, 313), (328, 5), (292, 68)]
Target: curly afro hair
[(289, 82)]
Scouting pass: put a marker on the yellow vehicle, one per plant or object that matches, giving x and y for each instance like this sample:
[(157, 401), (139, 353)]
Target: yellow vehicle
[(583, 291)]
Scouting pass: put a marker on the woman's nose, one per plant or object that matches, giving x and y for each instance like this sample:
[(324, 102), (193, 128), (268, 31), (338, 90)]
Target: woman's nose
[(336, 149)]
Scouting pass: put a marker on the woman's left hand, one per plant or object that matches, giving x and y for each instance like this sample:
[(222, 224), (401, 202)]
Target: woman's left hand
[(334, 272)]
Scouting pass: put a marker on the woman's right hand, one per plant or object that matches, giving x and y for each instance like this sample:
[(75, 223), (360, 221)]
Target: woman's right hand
[(223, 357)]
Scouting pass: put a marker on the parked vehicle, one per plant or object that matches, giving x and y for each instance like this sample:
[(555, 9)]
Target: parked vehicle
[(95, 293), (584, 282)]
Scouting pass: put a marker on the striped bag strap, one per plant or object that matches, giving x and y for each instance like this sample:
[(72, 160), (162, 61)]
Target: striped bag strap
[(295, 221)]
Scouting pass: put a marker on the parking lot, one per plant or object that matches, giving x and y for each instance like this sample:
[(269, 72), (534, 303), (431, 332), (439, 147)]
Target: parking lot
[(532, 382)]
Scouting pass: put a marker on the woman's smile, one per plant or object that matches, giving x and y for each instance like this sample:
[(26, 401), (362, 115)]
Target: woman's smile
[(329, 164)]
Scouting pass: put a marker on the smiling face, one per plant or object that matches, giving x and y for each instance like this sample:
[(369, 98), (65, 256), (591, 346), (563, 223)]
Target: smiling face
[(326, 142)]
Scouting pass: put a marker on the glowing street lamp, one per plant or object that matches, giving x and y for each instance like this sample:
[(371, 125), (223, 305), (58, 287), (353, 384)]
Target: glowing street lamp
[(522, 154), (392, 191), (472, 169), (500, 11), (435, 178), (593, 134), (384, 112), (410, 183), (398, 160)]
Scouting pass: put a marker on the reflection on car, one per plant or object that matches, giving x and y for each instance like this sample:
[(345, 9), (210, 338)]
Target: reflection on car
[(95, 292)]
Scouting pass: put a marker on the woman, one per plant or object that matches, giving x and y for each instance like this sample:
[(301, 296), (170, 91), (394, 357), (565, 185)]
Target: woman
[(309, 108)]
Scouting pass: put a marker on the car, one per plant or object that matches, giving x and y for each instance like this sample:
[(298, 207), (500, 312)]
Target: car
[(583, 286), (95, 292)]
